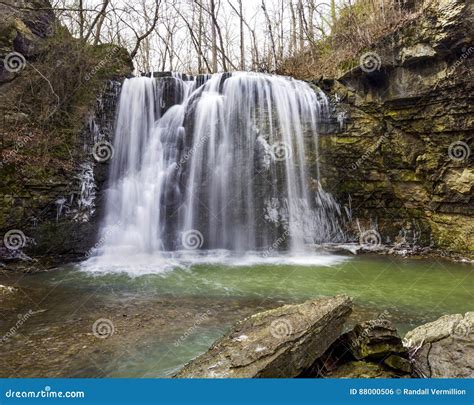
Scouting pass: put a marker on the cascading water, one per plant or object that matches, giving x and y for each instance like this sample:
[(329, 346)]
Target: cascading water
[(217, 162)]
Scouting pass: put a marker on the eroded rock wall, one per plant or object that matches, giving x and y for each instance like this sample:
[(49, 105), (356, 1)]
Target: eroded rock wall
[(401, 155), (58, 99)]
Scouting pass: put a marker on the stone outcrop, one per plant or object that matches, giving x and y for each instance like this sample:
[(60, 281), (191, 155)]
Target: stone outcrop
[(443, 348), (401, 153), (376, 338), (54, 107), (372, 349), (282, 342)]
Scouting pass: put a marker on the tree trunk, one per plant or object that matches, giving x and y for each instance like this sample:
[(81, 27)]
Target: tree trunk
[(213, 37), (301, 24), (242, 44)]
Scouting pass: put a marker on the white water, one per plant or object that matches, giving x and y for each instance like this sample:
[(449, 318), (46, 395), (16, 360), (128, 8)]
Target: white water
[(220, 164)]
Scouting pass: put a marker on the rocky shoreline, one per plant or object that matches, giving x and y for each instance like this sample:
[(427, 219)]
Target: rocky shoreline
[(419, 252), (306, 340)]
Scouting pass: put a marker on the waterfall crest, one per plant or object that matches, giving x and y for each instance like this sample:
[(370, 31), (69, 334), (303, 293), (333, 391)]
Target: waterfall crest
[(217, 162)]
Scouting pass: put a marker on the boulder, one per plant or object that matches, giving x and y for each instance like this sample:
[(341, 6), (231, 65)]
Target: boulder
[(376, 338), (373, 349), (443, 348), (281, 342)]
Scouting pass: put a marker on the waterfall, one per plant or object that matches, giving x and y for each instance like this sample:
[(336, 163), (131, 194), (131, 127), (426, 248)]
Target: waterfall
[(217, 162)]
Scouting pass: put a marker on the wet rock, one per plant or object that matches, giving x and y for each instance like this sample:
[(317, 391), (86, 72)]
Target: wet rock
[(443, 348), (373, 339), (281, 342)]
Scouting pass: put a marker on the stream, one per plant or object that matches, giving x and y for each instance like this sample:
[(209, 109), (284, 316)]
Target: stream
[(156, 321)]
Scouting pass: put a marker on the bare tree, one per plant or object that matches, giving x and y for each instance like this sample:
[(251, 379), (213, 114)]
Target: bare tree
[(197, 40), (214, 35), (242, 43), (140, 38), (97, 18), (202, 35), (242, 22), (270, 32)]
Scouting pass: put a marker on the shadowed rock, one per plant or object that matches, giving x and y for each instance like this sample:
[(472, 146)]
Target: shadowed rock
[(281, 342), (372, 349), (373, 339)]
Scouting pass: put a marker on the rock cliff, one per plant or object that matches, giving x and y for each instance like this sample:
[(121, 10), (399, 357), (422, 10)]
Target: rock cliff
[(400, 151), (57, 100)]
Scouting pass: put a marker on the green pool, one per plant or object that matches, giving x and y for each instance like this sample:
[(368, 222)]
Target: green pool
[(159, 320)]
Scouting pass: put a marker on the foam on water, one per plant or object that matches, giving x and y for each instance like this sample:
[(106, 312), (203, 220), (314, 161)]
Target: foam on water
[(145, 264)]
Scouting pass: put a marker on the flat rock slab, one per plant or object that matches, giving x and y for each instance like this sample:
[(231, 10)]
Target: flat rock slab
[(443, 348), (281, 342)]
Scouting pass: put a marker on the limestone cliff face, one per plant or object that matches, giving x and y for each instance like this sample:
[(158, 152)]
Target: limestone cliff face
[(57, 100), (401, 154)]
